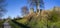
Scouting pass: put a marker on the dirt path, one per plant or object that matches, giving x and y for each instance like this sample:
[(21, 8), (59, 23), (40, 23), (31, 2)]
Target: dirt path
[(6, 25)]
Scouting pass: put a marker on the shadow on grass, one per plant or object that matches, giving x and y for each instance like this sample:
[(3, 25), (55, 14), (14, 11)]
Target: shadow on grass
[(21, 25)]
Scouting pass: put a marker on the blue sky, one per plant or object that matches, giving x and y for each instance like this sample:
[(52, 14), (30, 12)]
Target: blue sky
[(14, 6)]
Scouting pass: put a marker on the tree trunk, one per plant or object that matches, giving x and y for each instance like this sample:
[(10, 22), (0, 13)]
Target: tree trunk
[(38, 7)]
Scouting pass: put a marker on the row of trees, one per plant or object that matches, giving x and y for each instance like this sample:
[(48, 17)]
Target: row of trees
[(39, 4), (49, 21)]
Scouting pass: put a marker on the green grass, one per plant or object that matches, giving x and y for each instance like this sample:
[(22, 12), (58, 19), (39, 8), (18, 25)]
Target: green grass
[(23, 21), (13, 25), (1, 22)]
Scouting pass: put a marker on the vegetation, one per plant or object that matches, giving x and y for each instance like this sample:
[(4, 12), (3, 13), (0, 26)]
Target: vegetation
[(49, 19), (13, 24), (42, 18), (1, 23), (34, 19)]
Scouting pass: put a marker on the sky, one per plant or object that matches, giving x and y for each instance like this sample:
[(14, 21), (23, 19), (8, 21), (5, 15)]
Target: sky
[(14, 6)]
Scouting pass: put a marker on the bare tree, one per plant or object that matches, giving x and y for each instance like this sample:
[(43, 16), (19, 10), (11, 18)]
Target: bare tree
[(37, 3), (24, 10)]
